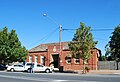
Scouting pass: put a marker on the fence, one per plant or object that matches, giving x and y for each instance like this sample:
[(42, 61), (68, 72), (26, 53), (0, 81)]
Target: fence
[(108, 65)]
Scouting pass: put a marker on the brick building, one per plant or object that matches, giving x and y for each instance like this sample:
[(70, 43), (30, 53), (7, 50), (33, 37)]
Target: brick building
[(49, 55)]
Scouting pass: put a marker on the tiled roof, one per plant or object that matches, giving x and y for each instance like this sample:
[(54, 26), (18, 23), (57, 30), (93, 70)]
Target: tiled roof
[(39, 48), (44, 47)]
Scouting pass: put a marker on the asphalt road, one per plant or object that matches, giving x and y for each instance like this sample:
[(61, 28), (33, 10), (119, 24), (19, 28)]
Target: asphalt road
[(56, 77)]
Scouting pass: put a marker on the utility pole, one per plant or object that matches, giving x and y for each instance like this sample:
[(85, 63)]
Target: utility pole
[(60, 51), (60, 38)]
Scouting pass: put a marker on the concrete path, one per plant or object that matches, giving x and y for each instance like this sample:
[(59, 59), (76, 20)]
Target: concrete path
[(104, 72)]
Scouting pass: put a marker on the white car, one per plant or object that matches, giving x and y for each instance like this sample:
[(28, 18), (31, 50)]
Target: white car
[(15, 68), (40, 68)]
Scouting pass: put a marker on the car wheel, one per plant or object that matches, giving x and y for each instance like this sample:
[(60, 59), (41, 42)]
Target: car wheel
[(28, 70), (12, 70), (47, 70)]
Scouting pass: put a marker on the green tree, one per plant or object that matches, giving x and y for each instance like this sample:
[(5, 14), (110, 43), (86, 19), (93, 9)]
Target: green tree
[(104, 58), (82, 44), (3, 42), (114, 44), (11, 49), (107, 49), (108, 53)]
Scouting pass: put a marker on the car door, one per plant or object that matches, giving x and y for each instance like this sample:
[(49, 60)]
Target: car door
[(18, 67), (40, 67), (15, 67)]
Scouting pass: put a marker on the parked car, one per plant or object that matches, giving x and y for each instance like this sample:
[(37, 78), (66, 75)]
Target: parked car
[(39, 68), (13, 68), (3, 67)]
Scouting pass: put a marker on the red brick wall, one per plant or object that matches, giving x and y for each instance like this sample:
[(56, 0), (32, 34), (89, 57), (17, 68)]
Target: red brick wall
[(92, 63)]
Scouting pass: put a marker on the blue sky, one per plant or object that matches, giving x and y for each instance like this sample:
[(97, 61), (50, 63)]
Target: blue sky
[(26, 17)]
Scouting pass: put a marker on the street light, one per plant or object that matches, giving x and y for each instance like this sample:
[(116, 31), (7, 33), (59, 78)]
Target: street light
[(60, 33), (45, 15)]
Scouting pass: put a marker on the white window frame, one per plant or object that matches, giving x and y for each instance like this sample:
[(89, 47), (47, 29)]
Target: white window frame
[(36, 58), (76, 60), (42, 59), (67, 60)]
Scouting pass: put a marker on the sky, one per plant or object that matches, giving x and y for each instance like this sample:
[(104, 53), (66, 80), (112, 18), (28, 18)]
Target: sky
[(33, 29)]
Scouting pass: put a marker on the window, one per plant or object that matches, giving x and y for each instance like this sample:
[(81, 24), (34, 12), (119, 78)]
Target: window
[(36, 59), (39, 65), (29, 64), (16, 66), (42, 60), (77, 60), (68, 60), (20, 65), (30, 59)]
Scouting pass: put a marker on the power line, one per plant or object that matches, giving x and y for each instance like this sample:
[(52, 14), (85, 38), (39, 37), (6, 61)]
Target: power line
[(68, 31), (71, 31), (101, 29), (44, 38), (93, 29), (49, 35)]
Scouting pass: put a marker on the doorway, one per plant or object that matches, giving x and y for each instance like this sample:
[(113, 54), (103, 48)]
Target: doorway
[(55, 60)]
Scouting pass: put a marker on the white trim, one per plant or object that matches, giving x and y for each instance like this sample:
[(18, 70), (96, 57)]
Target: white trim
[(75, 60)]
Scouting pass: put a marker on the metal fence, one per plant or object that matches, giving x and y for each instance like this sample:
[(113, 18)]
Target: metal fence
[(108, 65)]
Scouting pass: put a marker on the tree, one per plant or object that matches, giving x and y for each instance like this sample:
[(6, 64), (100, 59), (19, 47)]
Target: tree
[(3, 42), (107, 49), (104, 58), (114, 44), (10, 47), (108, 56), (82, 44)]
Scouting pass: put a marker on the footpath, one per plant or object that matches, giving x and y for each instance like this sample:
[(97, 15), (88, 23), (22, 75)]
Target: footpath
[(104, 72)]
